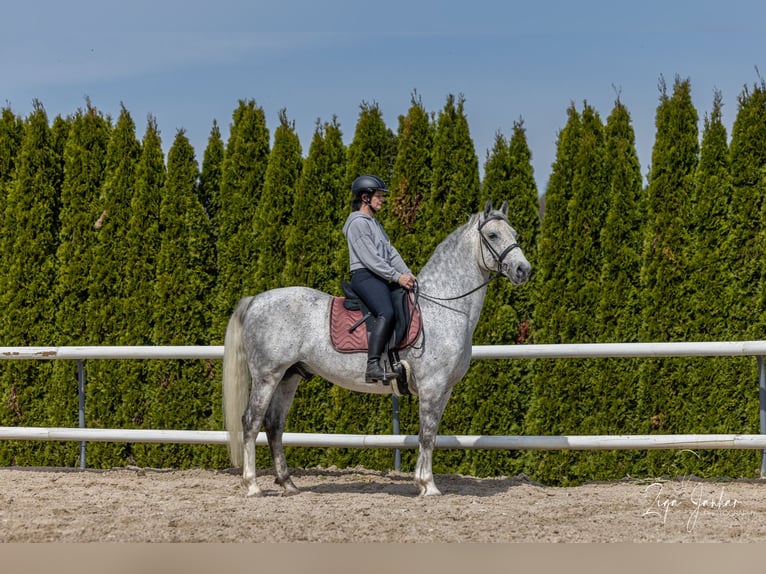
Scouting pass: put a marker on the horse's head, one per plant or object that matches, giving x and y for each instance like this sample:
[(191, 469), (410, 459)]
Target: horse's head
[(499, 249)]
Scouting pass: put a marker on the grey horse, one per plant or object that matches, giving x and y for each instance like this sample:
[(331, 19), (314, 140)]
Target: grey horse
[(278, 337)]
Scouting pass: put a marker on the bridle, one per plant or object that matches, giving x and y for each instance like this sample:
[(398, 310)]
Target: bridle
[(499, 257)]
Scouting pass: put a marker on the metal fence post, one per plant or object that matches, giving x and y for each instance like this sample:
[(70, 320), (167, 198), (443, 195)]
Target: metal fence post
[(762, 402), (81, 400), (395, 409)]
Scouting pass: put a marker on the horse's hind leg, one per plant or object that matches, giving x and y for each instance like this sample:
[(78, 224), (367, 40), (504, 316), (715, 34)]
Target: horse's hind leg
[(260, 397), (275, 420)]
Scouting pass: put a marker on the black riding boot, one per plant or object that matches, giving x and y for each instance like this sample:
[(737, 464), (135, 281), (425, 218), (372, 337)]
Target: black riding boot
[(376, 342)]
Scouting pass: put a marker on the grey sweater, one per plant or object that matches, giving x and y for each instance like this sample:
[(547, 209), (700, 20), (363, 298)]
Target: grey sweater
[(369, 247)]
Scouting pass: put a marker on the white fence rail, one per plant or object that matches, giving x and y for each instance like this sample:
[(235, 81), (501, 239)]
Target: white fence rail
[(396, 441)]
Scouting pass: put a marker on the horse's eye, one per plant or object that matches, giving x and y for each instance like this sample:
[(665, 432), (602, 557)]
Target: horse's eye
[(492, 236)]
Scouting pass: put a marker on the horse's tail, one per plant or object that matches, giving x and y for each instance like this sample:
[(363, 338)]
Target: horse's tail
[(236, 381)]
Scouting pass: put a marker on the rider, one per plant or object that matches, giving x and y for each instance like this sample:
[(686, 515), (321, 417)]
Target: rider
[(376, 266)]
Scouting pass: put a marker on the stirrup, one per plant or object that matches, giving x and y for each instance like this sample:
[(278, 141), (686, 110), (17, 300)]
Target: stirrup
[(382, 376)]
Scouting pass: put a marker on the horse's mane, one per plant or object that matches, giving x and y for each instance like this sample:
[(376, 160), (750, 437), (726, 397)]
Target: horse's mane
[(448, 243)]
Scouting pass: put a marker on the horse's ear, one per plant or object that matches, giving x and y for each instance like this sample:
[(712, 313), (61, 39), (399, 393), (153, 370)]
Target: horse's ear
[(487, 207), (504, 209)]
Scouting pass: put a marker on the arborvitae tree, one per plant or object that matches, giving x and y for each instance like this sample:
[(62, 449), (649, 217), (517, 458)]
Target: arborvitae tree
[(454, 193), (244, 169), (209, 190), (141, 252), (29, 242), (564, 398), (410, 183), (84, 169), (319, 210), (502, 389), (11, 134), (709, 264), (107, 318), (615, 381), (373, 148), (718, 381), (551, 274), (744, 241), (181, 392), (274, 214), (666, 395)]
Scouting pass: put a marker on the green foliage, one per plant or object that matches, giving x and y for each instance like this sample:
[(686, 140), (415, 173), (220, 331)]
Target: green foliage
[(29, 242), (209, 189), (319, 209), (454, 193), (106, 319), (274, 213), (244, 169), (180, 393), (410, 184), (664, 386), (104, 244)]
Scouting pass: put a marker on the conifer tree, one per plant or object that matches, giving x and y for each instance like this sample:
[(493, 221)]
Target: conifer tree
[(107, 318), (181, 392), (210, 176), (314, 238), (745, 240), (564, 399), (615, 381), (273, 216), (665, 391), (319, 209), (410, 183), (373, 148), (85, 155), (550, 312), (454, 194), (501, 389), (141, 252), (11, 134), (244, 168), (29, 242), (719, 380)]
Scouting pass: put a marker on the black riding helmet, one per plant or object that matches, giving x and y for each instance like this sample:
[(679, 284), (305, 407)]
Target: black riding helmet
[(367, 184)]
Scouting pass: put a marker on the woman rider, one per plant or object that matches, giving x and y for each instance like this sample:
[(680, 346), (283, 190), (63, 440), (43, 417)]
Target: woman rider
[(376, 266)]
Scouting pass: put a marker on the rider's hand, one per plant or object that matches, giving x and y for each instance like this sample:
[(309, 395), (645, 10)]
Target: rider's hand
[(407, 281)]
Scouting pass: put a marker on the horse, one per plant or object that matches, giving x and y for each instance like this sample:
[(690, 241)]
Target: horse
[(281, 336)]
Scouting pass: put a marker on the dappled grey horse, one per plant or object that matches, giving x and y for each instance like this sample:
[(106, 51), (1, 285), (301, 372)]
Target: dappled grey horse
[(275, 339)]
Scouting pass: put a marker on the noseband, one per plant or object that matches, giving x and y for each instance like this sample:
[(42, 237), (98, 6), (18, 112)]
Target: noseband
[(499, 257)]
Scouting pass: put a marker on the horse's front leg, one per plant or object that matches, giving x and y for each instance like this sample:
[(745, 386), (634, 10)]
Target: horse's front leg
[(276, 418), (431, 410)]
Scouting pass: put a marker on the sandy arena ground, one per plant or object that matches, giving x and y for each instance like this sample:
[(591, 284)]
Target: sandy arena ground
[(358, 505)]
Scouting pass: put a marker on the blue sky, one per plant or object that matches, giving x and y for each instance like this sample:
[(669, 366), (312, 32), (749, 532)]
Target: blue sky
[(190, 62)]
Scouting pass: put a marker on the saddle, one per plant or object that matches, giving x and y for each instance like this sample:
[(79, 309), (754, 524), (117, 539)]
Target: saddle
[(349, 313)]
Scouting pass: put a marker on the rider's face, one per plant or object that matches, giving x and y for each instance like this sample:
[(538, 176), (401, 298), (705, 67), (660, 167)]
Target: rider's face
[(376, 201)]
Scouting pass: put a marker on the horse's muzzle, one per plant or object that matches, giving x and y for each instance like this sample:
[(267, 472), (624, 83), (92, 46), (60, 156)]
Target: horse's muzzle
[(518, 271)]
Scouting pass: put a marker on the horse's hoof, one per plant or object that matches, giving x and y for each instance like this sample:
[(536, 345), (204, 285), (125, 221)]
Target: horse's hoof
[(254, 492), (429, 491), (290, 491)]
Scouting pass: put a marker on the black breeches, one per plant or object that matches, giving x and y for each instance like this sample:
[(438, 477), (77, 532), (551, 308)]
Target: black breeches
[(375, 293)]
